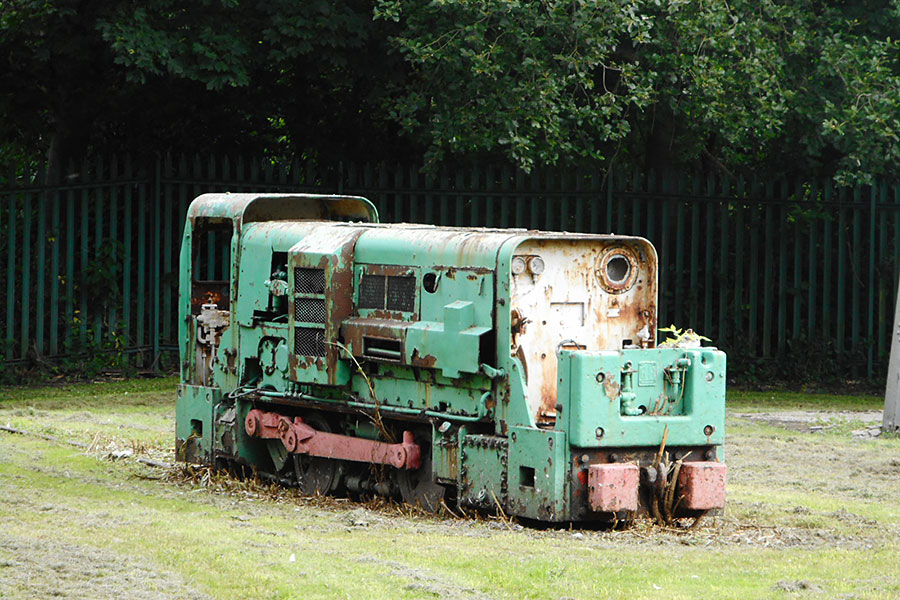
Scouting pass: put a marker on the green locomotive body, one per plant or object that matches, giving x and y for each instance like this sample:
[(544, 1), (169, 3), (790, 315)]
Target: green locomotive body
[(496, 368)]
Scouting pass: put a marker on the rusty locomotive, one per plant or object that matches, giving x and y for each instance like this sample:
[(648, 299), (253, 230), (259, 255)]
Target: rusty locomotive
[(502, 369)]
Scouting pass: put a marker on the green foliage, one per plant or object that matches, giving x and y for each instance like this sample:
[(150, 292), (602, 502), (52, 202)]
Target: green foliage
[(209, 75), (741, 85), (677, 337), (766, 87), (539, 81)]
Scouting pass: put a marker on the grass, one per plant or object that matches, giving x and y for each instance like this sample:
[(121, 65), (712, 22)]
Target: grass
[(751, 401), (111, 394), (798, 515)]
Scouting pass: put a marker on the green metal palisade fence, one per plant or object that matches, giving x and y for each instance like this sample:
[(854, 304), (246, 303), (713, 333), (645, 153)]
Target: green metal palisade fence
[(763, 268)]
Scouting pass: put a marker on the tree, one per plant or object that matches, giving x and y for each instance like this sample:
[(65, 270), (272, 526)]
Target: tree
[(754, 85), (768, 87), (274, 77), (538, 82)]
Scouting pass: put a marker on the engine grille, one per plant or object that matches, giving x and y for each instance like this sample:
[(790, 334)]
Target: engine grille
[(309, 281), (309, 310), (371, 291), (394, 292), (401, 293), (309, 341)]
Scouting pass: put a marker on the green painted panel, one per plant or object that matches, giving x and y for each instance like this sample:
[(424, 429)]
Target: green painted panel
[(482, 472), (194, 415), (538, 463), (596, 406)]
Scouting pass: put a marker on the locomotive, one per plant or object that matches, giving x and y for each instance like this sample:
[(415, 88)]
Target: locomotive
[(502, 369)]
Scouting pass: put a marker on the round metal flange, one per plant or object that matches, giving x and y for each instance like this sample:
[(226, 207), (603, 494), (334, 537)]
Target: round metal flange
[(617, 269)]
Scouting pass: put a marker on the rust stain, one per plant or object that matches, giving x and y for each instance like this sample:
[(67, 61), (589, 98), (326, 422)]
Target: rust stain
[(422, 361), (547, 411), (611, 385)]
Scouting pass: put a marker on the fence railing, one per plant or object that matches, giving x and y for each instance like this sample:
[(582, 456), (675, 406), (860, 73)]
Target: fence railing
[(765, 269)]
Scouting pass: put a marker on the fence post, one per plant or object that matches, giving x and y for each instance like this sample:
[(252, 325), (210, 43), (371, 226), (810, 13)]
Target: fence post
[(870, 326), (157, 201), (11, 271)]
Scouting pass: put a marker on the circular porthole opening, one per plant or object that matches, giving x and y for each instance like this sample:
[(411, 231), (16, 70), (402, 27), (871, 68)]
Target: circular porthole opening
[(430, 282), (618, 268)]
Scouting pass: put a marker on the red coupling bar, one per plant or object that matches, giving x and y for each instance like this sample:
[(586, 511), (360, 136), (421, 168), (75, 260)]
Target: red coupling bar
[(300, 438)]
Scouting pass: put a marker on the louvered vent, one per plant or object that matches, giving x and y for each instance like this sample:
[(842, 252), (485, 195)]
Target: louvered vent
[(401, 293), (309, 310), (371, 291), (309, 341), (309, 281)]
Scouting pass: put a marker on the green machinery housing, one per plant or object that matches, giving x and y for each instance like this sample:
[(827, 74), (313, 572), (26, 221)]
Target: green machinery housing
[(490, 368)]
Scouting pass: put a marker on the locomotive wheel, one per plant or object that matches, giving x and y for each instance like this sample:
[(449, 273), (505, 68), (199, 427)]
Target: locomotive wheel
[(314, 474), (418, 487)]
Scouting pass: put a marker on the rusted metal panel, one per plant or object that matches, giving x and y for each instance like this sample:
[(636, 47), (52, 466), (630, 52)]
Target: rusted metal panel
[(330, 249), (702, 485), (589, 293), (362, 337), (428, 246), (483, 473), (613, 487)]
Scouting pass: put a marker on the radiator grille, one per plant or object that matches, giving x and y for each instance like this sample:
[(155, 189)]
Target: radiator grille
[(371, 291), (309, 310), (309, 281), (401, 293), (309, 341)]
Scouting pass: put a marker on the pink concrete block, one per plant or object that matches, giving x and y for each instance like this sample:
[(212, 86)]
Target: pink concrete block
[(614, 487), (702, 484)]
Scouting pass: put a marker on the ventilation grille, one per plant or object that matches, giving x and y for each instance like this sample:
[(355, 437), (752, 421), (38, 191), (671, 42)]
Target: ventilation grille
[(371, 291), (401, 293), (309, 310), (309, 281), (396, 292), (309, 341)]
